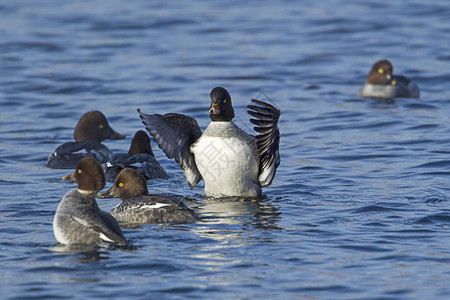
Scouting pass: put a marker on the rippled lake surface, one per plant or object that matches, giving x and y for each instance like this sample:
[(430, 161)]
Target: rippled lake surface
[(359, 208)]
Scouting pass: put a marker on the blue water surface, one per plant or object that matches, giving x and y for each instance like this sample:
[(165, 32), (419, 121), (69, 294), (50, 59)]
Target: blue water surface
[(359, 208)]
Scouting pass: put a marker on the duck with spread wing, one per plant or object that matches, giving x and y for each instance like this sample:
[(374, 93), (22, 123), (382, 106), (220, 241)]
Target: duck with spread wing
[(229, 160)]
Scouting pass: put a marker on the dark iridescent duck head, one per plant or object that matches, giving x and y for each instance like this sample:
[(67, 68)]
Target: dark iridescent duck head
[(221, 109), (140, 144), (128, 184), (93, 126), (381, 73), (88, 174)]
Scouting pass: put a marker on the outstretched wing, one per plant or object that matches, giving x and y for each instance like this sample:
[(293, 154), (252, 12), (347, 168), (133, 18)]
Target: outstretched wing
[(174, 134), (266, 119)]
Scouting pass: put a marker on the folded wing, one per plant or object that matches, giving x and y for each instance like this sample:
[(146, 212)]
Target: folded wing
[(103, 224)]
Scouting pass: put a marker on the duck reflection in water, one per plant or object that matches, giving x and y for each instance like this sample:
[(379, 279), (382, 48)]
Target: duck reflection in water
[(233, 222), (85, 253), (240, 211)]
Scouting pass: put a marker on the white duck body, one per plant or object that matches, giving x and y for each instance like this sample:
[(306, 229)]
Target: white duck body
[(228, 160)]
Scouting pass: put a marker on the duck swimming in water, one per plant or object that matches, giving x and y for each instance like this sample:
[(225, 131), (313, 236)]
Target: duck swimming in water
[(91, 130), (382, 83), (229, 160)]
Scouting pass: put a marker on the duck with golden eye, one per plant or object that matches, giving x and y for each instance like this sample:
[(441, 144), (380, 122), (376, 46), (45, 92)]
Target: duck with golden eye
[(91, 130), (138, 207), (382, 83), (78, 219), (139, 157), (231, 162)]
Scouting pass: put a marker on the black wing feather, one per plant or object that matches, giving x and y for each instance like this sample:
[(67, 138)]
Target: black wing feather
[(174, 134), (266, 118)]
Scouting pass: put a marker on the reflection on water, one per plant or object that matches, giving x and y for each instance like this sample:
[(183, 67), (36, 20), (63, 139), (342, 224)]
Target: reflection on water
[(231, 222), (236, 210), (82, 253), (88, 253)]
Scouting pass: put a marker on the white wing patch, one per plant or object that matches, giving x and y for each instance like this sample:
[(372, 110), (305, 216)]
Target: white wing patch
[(105, 238), (137, 164), (154, 206), (81, 151)]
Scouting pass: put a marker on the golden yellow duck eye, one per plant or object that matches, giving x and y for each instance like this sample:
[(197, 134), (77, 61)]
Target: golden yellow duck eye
[(100, 126), (79, 171), (225, 101), (380, 70), (120, 184), (393, 82)]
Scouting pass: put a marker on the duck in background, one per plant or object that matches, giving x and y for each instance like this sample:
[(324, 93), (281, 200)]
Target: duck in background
[(78, 219), (138, 207), (139, 157), (232, 162), (91, 130), (381, 83)]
